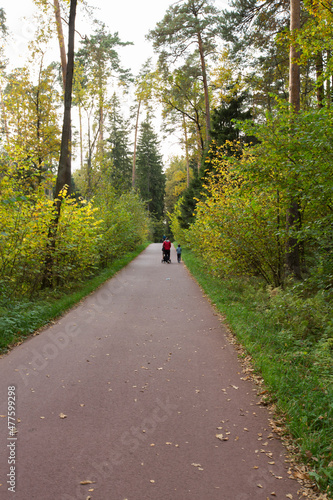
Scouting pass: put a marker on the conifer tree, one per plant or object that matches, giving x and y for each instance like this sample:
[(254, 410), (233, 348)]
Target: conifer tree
[(186, 24), (150, 179), (119, 150)]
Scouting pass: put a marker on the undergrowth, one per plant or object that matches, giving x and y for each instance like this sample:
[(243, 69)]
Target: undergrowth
[(289, 335)]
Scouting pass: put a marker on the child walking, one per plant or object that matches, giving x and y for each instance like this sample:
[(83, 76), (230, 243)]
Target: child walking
[(179, 253)]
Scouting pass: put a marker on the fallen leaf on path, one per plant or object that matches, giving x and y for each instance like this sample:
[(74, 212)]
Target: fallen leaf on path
[(62, 415), (152, 481), (198, 466), (289, 495), (87, 481), (234, 386), (259, 485)]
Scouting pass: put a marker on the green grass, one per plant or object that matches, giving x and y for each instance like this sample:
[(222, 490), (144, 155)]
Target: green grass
[(297, 369), (19, 319)]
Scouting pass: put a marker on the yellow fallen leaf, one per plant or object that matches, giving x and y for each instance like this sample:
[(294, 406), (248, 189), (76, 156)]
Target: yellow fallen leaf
[(219, 436), (259, 485), (152, 481), (289, 495), (87, 481), (62, 415), (300, 475)]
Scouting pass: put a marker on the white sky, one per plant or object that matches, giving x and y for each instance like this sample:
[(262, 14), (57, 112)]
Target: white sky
[(132, 19)]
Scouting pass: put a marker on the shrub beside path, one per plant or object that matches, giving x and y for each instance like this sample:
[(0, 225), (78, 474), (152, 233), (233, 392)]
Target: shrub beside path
[(137, 394)]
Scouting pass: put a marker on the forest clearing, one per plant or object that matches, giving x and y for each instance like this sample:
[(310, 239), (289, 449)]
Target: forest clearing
[(246, 91)]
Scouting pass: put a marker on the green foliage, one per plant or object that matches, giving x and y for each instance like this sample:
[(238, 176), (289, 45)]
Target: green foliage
[(118, 149), (150, 179), (89, 235), (123, 224), (240, 224)]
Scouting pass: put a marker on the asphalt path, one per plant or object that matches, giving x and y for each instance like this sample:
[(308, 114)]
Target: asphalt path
[(137, 394)]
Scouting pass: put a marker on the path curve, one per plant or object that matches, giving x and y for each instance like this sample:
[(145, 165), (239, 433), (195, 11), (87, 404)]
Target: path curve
[(137, 394)]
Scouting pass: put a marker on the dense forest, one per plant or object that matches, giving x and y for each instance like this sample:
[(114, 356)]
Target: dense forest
[(248, 92)]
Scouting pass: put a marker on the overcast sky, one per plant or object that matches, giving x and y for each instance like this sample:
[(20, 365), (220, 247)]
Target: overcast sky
[(132, 19)]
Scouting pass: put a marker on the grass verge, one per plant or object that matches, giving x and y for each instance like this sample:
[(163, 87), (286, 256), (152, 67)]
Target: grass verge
[(19, 319), (297, 371)]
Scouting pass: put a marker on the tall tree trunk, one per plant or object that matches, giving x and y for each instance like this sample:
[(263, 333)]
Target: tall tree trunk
[(328, 83), (205, 85), (186, 153), (81, 136), (293, 218), (135, 143), (64, 168), (320, 83), (61, 41), (294, 70)]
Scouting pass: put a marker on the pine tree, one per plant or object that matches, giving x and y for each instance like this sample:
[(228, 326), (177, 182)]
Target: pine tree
[(119, 150), (149, 174), (187, 24)]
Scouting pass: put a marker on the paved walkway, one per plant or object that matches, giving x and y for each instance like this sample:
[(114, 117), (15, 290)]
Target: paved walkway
[(136, 394)]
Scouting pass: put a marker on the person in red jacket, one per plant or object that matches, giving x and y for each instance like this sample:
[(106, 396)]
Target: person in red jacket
[(166, 249)]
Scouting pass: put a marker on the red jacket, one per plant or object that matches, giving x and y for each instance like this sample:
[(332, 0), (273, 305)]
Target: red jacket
[(167, 245)]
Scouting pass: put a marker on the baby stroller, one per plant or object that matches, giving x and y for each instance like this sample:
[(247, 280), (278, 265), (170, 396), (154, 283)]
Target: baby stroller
[(166, 256)]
